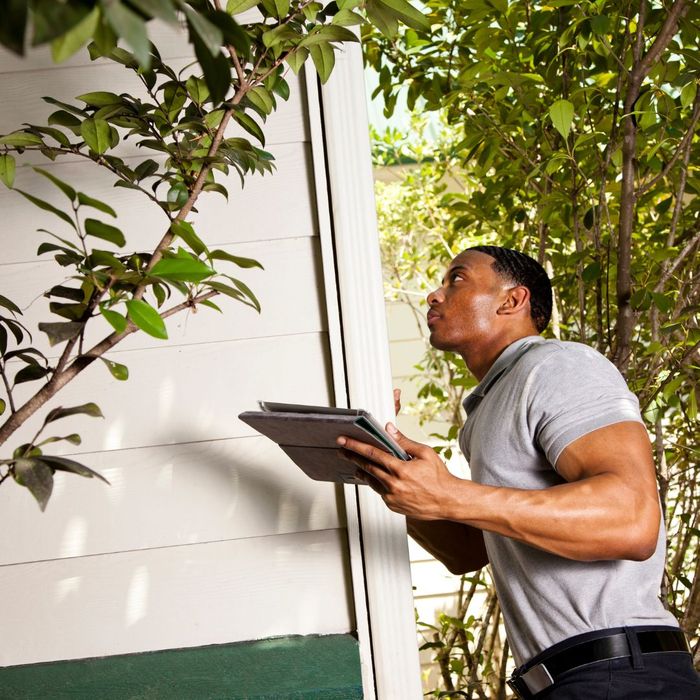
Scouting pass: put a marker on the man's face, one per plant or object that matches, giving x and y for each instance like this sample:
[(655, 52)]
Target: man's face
[(464, 308)]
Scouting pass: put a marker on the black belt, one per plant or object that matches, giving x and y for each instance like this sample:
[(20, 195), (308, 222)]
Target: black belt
[(545, 669)]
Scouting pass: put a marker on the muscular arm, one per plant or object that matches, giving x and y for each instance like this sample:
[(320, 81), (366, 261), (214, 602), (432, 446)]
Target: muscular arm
[(458, 546), (609, 508)]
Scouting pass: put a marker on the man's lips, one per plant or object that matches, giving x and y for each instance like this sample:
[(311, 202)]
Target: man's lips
[(432, 317)]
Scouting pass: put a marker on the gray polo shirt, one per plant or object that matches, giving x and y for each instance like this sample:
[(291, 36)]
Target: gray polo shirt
[(538, 397)]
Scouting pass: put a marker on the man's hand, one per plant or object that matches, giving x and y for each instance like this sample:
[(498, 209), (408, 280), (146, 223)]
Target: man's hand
[(419, 488)]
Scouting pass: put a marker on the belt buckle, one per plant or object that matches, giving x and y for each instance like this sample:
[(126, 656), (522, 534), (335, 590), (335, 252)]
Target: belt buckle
[(534, 680)]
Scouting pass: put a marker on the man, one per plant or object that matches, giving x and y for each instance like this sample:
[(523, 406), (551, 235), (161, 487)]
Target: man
[(563, 501)]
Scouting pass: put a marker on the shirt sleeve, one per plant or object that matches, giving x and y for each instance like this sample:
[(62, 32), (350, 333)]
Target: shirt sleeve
[(576, 391)]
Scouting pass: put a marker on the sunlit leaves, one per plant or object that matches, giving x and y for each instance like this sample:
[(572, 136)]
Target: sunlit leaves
[(106, 232), (59, 332), (7, 169), (86, 409), (64, 46), (179, 269), (97, 134), (118, 371), (129, 25), (146, 318), (37, 476)]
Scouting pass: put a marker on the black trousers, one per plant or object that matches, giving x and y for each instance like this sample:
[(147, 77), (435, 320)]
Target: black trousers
[(659, 676)]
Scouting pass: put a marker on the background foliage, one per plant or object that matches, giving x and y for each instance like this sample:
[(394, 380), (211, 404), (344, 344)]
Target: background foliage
[(571, 134), (179, 121)]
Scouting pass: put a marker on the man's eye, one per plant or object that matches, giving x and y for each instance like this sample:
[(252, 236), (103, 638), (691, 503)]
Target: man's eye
[(456, 276)]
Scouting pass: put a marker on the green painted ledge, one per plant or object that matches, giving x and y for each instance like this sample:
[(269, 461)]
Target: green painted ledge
[(285, 668)]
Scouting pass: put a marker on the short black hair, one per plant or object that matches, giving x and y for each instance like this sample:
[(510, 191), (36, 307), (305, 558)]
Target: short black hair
[(525, 271)]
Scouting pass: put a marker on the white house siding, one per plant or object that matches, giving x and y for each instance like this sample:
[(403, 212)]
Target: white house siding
[(435, 589), (207, 534)]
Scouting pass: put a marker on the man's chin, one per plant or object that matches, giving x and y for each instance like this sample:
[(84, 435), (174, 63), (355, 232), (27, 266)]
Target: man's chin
[(439, 343)]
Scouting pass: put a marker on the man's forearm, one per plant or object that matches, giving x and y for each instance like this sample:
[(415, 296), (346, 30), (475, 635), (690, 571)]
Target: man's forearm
[(458, 546), (595, 518)]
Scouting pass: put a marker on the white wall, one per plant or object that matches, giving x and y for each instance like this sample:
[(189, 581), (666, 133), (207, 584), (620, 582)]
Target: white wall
[(208, 534), (435, 589)]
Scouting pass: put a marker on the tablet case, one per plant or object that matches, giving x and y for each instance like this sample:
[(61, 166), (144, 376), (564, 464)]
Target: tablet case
[(308, 435)]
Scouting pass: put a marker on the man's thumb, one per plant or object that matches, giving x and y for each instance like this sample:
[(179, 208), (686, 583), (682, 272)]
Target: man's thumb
[(409, 445)]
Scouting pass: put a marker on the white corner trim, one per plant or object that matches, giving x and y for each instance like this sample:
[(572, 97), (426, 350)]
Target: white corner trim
[(340, 391), (368, 371)]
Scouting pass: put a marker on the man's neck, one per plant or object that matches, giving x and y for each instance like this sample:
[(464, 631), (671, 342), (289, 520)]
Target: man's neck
[(479, 358)]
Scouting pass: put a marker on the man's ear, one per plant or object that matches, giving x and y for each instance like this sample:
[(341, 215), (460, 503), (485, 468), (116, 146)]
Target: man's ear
[(517, 301)]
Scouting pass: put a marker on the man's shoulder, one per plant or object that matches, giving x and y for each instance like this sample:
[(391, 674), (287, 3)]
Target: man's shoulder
[(551, 359), (553, 350)]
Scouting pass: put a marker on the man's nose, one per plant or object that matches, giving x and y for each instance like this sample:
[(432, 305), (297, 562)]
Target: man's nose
[(435, 297)]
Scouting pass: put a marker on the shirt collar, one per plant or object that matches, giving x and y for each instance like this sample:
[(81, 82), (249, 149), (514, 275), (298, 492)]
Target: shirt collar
[(504, 362)]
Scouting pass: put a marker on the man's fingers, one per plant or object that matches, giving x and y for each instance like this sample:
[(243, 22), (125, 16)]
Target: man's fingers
[(397, 401), (415, 449), (370, 453), (371, 473)]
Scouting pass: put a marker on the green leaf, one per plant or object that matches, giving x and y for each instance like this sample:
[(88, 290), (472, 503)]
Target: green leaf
[(261, 99), (209, 33), (250, 125), (688, 93), (31, 373), (236, 259), (132, 28), (20, 139), (36, 476), (297, 58), (247, 291), (207, 302), (9, 305), (562, 116), (7, 169), (87, 201), (13, 27), (61, 332), (64, 46), (63, 186), (116, 320), (100, 99), (216, 67), (120, 372), (73, 438), (406, 13), (591, 272), (3, 406), (47, 207), (146, 318), (87, 409), (329, 33), (323, 57), (69, 465), (184, 230), (347, 18), (235, 7), (162, 9), (97, 135), (63, 118), (64, 292), (197, 88), (279, 35), (282, 8), (99, 229), (181, 270), (145, 169), (177, 196)]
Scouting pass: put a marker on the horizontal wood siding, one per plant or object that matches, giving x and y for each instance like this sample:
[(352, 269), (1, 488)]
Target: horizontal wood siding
[(208, 534)]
